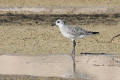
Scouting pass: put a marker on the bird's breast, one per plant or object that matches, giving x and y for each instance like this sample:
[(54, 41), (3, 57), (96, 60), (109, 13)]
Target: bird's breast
[(66, 34)]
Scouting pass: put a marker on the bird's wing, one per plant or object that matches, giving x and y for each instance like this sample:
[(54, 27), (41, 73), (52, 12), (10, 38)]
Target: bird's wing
[(74, 30)]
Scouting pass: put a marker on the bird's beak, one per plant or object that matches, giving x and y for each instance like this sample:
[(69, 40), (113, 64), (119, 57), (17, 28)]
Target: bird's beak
[(53, 24)]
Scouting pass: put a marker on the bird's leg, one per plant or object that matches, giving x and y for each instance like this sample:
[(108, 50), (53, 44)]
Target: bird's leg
[(73, 55), (73, 50)]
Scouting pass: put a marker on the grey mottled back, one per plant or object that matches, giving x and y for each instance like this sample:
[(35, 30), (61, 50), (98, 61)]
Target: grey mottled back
[(77, 31)]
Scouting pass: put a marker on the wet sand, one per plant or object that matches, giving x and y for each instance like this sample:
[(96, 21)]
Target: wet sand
[(88, 67)]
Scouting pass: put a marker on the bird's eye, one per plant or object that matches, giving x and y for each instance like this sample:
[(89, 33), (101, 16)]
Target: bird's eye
[(58, 21)]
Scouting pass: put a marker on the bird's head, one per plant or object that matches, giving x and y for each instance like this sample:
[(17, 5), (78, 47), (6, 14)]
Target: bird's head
[(59, 22)]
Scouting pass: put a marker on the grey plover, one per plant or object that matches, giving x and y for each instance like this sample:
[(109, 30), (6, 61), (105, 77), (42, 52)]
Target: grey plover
[(73, 32)]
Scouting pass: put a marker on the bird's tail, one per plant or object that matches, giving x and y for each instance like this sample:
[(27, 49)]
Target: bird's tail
[(92, 32), (95, 32)]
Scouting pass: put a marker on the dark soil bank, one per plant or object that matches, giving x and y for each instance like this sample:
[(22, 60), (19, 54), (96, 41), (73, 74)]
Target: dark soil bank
[(43, 19)]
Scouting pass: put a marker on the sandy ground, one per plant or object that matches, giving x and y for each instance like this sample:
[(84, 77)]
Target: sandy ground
[(88, 67), (62, 3), (33, 34), (60, 10), (60, 7)]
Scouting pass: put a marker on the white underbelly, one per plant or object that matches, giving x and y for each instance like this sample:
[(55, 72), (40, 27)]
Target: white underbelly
[(81, 36), (73, 36), (67, 35)]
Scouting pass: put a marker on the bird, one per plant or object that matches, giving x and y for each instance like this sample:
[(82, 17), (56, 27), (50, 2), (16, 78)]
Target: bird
[(73, 32)]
